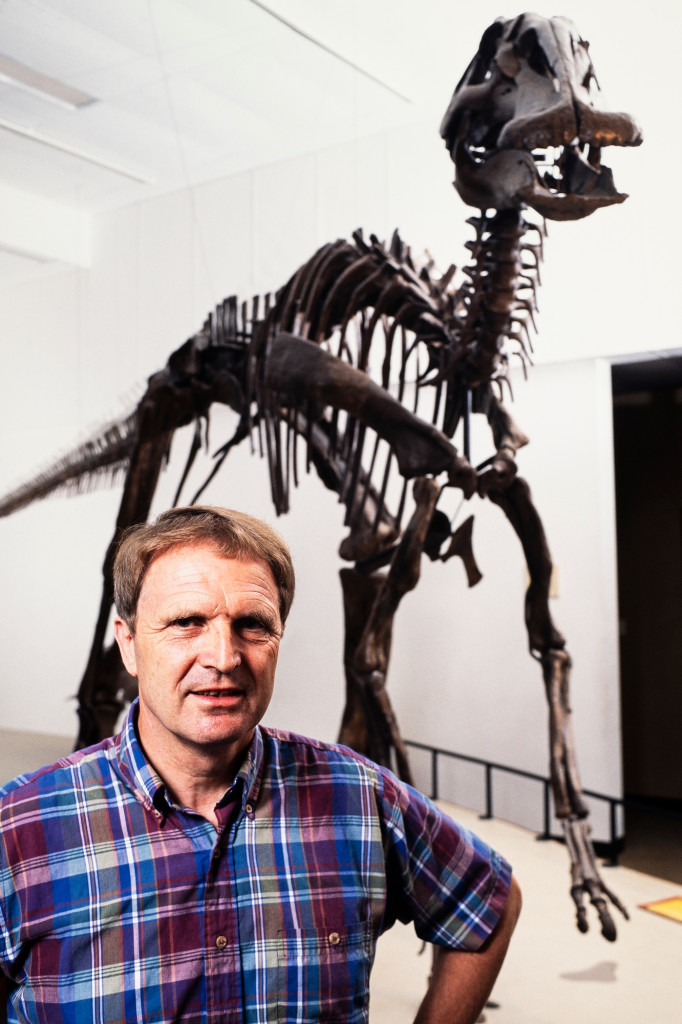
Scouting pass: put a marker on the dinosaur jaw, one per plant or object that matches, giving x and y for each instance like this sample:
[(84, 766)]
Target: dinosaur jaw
[(570, 187)]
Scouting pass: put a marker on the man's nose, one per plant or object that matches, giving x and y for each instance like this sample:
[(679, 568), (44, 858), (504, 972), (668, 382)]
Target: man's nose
[(221, 648)]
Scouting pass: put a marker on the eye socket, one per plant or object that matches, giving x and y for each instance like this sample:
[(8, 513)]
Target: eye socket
[(252, 627), (187, 622), (252, 624)]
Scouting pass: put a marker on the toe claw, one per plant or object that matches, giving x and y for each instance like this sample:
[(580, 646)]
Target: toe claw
[(587, 881), (608, 928)]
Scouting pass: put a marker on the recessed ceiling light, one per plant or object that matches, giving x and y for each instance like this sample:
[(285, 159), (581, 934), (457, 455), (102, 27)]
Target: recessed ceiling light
[(24, 77)]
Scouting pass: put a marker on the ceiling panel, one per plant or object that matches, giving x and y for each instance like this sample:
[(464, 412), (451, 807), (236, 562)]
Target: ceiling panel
[(198, 87), (187, 91), (40, 35), (106, 82), (15, 265)]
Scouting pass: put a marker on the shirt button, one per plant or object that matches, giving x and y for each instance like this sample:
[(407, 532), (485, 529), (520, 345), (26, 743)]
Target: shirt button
[(217, 853), (248, 808), (334, 939), (221, 942)]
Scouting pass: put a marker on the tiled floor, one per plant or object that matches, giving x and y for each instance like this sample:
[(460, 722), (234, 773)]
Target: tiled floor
[(553, 974)]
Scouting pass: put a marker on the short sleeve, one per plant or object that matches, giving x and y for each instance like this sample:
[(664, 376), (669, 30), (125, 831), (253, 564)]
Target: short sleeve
[(440, 876), (10, 910)]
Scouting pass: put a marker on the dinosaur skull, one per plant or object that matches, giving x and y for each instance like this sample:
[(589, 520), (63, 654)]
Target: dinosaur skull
[(522, 127)]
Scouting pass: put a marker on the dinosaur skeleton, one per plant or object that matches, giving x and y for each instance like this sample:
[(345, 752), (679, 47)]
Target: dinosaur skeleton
[(336, 369)]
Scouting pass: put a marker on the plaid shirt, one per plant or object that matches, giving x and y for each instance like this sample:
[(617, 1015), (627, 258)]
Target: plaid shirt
[(117, 906)]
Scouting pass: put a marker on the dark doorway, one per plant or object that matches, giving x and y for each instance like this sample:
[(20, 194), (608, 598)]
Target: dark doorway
[(647, 417)]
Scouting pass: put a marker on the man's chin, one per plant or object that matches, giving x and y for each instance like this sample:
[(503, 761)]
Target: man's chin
[(221, 728)]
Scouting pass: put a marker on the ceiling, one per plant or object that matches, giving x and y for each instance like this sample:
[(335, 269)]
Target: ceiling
[(183, 91), (107, 102), (104, 103)]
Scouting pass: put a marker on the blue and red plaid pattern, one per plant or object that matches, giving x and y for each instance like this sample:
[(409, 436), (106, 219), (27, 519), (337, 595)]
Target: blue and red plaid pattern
[(116, 906)]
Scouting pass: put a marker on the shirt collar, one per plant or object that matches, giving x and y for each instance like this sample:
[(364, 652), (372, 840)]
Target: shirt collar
[(251, 768), (149, 785)]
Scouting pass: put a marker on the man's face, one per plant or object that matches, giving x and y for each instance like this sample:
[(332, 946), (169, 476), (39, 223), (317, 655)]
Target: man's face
[(204, 652)]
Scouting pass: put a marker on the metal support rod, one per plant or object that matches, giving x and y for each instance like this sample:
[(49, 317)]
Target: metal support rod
[(613, 859), (466, 439), (546, 810), (434, 774), (488, 792)]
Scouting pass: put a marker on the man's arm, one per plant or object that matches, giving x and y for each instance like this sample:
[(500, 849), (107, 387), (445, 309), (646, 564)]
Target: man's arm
[(461, 981)]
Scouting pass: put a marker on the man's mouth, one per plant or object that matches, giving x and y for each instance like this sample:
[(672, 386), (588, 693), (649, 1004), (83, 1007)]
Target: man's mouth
[(232, 694)]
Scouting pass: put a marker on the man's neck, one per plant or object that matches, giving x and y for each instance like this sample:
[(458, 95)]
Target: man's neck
[(196, 778), (200, 794)]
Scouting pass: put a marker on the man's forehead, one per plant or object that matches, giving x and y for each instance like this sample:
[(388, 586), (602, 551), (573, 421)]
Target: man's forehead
[(187, 565)]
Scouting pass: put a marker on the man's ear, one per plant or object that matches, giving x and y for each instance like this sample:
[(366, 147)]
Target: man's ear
[(126, 645)]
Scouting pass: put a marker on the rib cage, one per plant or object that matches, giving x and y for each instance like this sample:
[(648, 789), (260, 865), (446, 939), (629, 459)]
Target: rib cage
[(425, 343), (372, 307), (369, 307)]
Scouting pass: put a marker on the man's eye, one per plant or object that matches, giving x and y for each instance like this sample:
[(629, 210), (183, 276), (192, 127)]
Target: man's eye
[(254, 625), (186, 622)]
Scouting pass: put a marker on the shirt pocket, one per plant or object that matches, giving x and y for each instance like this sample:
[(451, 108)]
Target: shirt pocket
[(323, 976)]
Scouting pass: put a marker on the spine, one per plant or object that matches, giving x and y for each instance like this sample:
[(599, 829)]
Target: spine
[(500, 296)]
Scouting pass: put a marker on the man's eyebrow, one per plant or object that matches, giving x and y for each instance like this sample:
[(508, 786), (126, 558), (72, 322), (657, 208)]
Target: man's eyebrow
[(264, 615)]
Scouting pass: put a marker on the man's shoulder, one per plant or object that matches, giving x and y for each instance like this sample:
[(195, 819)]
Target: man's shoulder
[(66, 775), (307, 752), (301, 763)]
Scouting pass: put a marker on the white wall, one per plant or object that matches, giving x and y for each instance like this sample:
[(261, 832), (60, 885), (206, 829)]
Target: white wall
[(78, 346), (485, 693)]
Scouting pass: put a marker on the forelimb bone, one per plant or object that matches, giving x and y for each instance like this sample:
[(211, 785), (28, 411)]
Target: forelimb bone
[(547, 645), (507, 437), (301, 371)]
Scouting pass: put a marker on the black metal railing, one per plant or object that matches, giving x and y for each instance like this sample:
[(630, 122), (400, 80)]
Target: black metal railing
[(609, 850)]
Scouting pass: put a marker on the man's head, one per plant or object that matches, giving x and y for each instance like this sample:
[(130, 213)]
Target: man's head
[(232, 535), (201, 595)]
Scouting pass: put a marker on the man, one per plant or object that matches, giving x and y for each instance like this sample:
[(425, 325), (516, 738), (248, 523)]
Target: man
[(200, 867)]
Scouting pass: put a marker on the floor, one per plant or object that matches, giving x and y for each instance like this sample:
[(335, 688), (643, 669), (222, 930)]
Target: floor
[(553, 974)]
